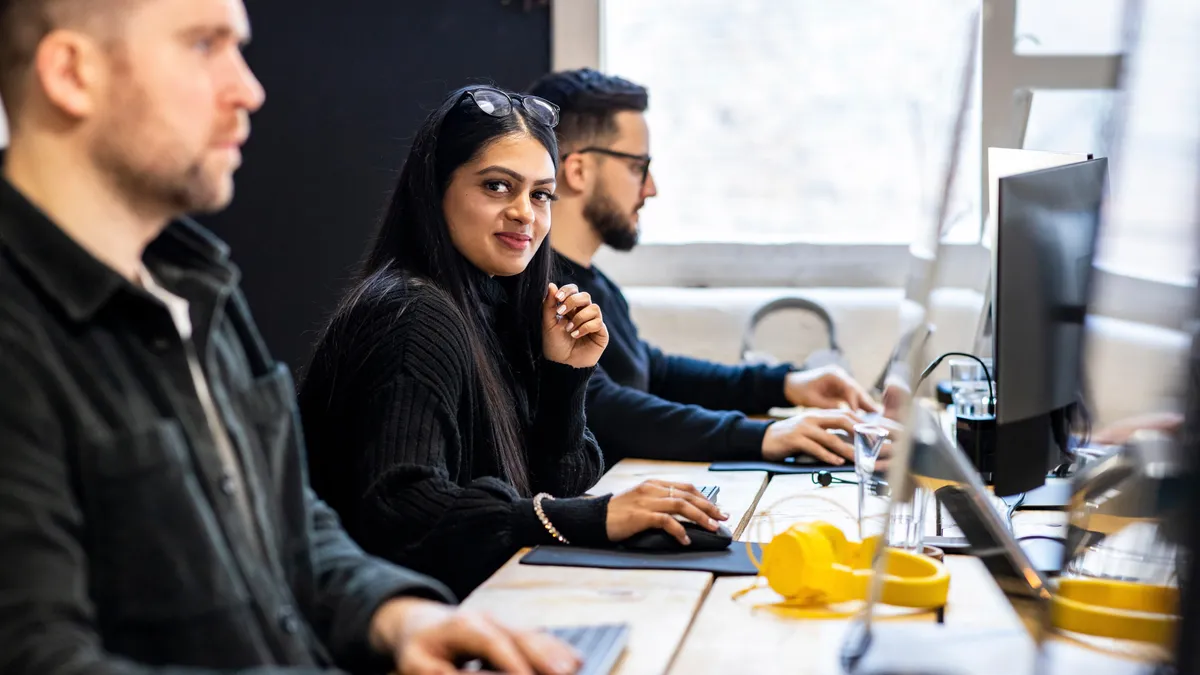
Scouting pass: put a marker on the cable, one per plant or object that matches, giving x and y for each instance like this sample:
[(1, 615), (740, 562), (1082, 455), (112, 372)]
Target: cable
[(1042, 537), (825, 479), (1013, 509), (986, 374)]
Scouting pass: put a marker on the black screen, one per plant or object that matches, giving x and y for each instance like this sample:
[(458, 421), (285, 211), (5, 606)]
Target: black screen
[(1046, 241)]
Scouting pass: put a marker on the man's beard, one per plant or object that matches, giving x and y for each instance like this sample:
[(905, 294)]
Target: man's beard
[(152, 174), (616, 229)]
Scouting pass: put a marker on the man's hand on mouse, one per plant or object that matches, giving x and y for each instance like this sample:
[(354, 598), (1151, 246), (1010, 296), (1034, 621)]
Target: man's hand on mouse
[(654, 504), (814, 433)]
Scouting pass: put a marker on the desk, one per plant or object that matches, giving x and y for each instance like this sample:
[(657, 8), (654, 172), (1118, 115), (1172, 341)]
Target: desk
[(658, 605), (731, 636), (645, 469), (740, 490), (762, 526), (1025, 523)]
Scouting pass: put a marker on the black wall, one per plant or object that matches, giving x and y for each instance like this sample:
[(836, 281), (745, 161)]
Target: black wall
[(347, 85)]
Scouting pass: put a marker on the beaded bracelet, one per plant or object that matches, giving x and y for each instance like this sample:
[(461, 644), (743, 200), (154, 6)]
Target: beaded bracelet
[(537, 508)]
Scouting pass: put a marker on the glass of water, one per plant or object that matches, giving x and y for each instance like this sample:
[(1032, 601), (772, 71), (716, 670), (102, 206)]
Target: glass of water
[(970, 388), (907, 525), (869, 441)]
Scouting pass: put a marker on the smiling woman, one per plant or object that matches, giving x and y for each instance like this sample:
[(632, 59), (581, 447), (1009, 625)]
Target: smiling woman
[(499, 214), (444, 406)]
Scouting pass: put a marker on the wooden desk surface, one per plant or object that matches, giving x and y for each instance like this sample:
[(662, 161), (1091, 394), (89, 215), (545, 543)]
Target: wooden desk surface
[(728, 635), (653, 468), (732, 636), (1025, 523), (772, 517), (658, 605), (740, 490)]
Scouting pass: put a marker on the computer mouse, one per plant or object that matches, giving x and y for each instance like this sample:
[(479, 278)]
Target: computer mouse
[(660, 541)]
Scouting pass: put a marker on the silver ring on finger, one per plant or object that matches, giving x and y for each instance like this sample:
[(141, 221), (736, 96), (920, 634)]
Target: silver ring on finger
[(670, 492)]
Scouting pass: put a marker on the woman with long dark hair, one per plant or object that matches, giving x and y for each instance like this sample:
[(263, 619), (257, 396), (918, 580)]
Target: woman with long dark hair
[(444, 405)]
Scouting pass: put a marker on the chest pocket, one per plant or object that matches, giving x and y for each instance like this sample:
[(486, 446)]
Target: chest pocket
[(158, 552), (267, 410)]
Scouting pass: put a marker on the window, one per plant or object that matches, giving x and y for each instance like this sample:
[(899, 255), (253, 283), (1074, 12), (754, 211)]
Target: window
[(799, 121), (812, 121), (1149, 232), (1069, 27)]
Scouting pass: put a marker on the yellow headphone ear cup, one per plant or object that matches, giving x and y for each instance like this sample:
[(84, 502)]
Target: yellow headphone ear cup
[(798, 563)]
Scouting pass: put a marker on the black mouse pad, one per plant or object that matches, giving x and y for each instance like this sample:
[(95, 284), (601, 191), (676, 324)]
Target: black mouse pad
[(780, 467), (732, 562)]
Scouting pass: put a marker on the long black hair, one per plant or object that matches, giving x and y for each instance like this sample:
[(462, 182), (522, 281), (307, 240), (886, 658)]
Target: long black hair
[(413, 245)]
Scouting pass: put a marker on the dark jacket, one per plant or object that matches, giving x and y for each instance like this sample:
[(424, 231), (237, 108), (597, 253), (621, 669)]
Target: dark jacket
[(646, 404), (401, 442), (124, 551)]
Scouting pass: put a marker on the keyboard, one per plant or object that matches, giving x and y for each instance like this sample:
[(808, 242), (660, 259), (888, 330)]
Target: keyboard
[(601, 645), (710, 493)]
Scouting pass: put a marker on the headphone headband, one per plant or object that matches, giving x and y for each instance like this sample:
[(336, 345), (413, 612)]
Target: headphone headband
[(814, 564), (1116, 609)]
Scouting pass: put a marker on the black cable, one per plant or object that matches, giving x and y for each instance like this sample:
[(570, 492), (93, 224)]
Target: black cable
[(986, 374), (1013, 509), (1042, 537)]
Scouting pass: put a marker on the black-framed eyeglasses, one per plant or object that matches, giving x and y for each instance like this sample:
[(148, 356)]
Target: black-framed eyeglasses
[(500, 104), (643, 160)]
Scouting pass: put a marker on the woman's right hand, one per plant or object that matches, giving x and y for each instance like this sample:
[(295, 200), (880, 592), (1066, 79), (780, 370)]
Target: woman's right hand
[(653, 504)]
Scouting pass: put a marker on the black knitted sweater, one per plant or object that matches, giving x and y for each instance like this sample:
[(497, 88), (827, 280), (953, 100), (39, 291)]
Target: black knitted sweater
[(399, 441)]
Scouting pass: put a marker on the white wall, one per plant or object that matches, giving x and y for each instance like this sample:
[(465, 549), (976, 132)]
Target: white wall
[(1132, 367)]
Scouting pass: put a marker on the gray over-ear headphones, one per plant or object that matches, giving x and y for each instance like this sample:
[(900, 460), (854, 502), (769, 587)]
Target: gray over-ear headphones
[(831, 355)]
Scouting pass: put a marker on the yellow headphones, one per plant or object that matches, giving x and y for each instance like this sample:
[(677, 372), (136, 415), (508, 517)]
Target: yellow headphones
[(1116, 609), (813, 564)]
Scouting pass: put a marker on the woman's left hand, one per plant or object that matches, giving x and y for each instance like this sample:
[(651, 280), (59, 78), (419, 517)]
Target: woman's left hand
[(573, 330)]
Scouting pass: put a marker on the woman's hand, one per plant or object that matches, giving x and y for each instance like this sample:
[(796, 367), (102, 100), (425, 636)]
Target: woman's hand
[(573, 330), (654, 504)]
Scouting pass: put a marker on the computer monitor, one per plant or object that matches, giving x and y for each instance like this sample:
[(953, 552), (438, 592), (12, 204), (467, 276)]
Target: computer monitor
[(1001, 163), (1187, 528), (1047, 225)]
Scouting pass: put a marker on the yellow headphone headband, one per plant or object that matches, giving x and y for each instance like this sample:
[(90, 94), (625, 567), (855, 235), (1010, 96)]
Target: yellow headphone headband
[(813, 564), (1116, 609)]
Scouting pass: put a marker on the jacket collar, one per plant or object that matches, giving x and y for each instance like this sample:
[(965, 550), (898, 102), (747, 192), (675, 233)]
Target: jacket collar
[(76, 280)]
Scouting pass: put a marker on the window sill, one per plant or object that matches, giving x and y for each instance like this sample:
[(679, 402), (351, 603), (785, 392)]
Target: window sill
[(715, 265)]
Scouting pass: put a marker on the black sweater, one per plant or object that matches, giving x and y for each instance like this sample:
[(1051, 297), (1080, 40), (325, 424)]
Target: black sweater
[(643, 403), (400, 445)]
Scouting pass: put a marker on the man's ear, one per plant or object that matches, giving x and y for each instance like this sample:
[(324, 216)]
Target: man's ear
[(576, 172), (69, 69)]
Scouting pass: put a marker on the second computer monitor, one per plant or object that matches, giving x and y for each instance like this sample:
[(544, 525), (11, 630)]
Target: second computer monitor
[(1046, 232)]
